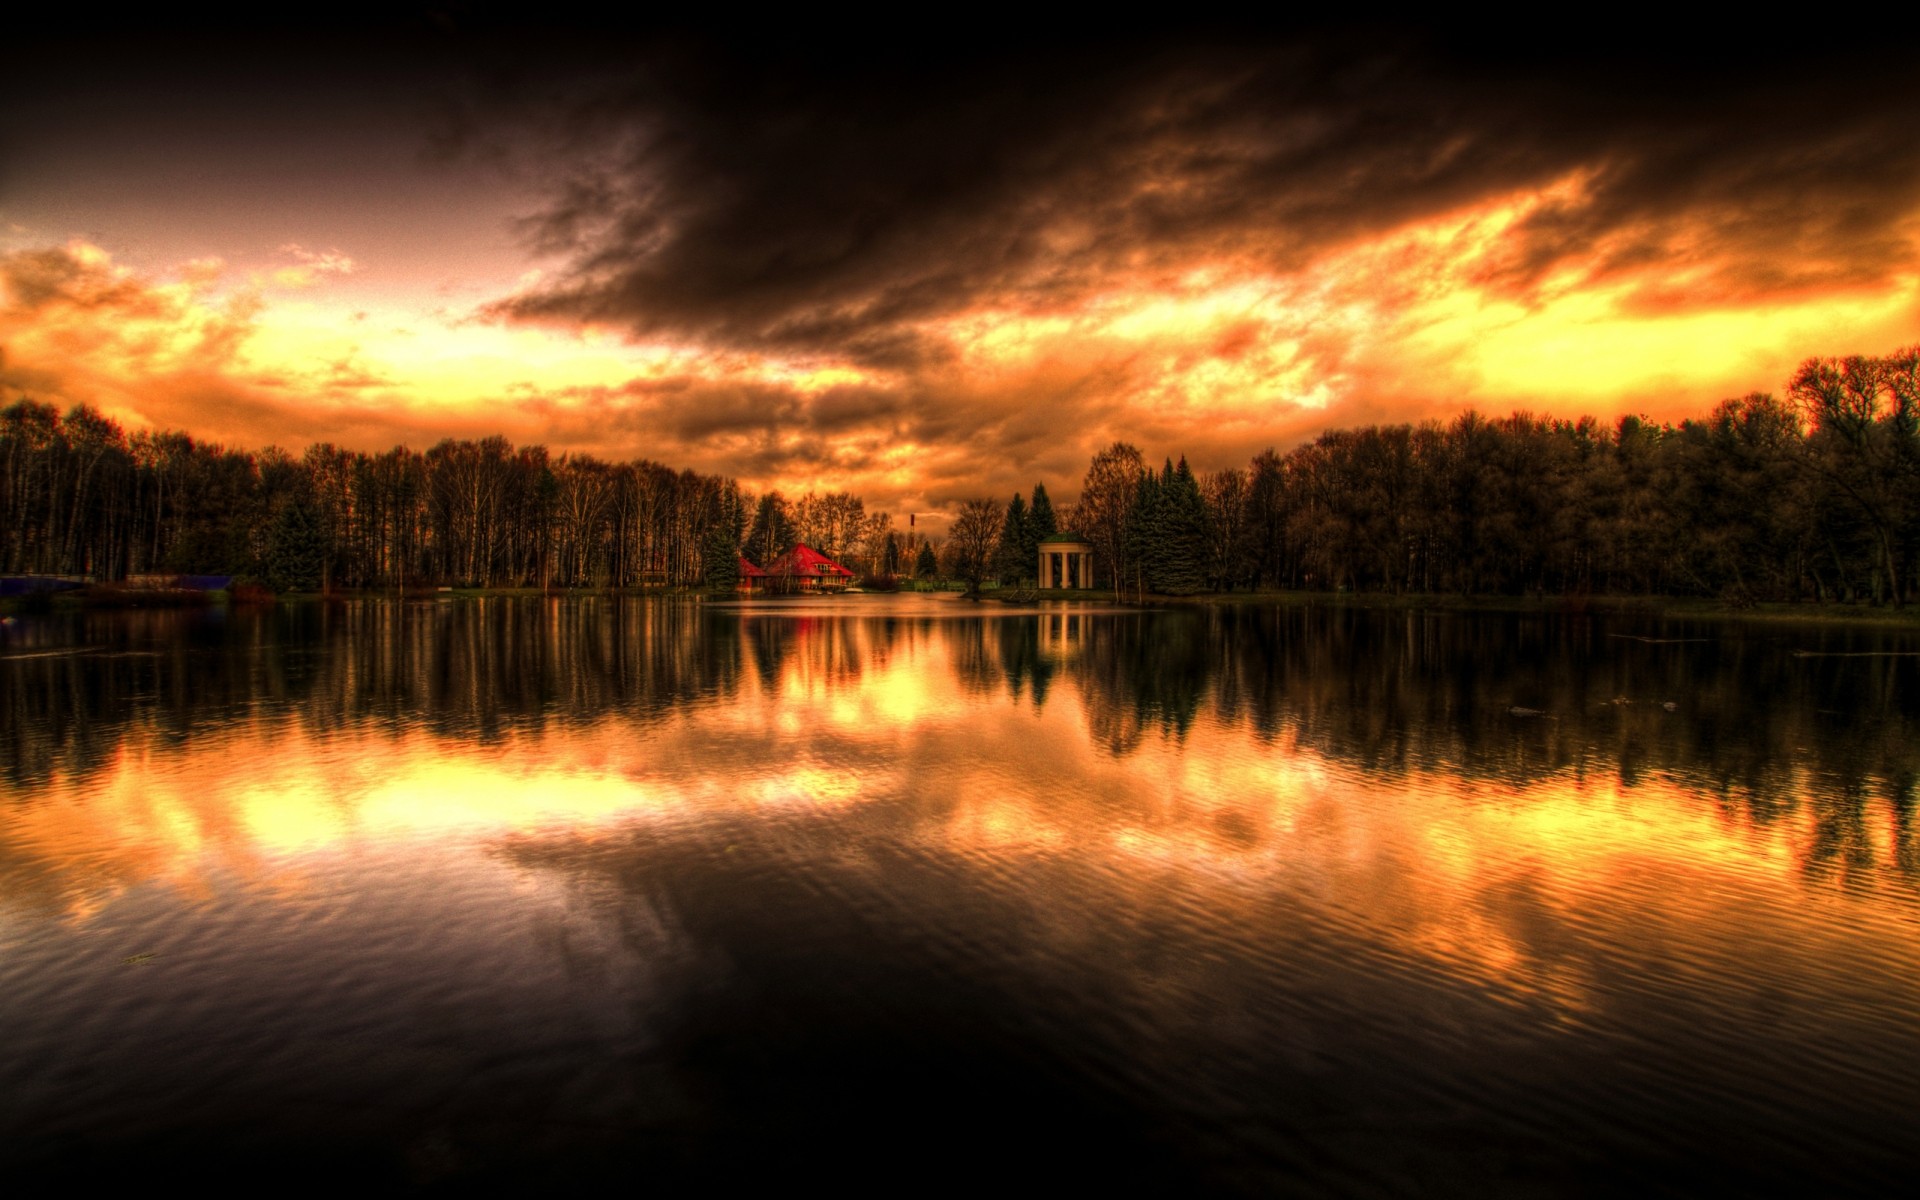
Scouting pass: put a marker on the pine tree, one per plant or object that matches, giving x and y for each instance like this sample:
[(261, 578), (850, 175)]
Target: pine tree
[(925, 567), (1143, 532), (1182, 534), (720, 560), (1166, 532), (1011, 560), (1041, 524), (296, 548), (720, 549)]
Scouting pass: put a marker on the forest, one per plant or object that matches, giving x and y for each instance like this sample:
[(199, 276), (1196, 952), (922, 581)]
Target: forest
[(79, 497), (1813, 496), (1810, 496)]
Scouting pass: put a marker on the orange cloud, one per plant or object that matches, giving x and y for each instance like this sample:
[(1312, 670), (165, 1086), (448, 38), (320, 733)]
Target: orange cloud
[(310, 268), (1217, 358)]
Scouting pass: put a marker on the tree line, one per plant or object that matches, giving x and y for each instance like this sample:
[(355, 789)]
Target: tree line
[(1811, 496), (80, 497)]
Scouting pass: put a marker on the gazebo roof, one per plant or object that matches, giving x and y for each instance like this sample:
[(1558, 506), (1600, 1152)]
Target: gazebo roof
[(1068, 538)]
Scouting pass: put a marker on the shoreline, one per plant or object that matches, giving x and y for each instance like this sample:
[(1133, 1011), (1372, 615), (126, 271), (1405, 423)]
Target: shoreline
[(1654, 607)]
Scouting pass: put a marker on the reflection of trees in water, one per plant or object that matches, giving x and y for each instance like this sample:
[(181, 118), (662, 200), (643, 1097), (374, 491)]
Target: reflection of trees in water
[(68, 687), (1523, 699), (1767, 732), (470, 668), (976, 663), (1018, 653), (1143, 672), (1769, 735), (812, 649), (1028, 665)]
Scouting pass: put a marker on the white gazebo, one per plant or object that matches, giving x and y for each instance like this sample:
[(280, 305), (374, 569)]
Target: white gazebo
[(1070, 556)]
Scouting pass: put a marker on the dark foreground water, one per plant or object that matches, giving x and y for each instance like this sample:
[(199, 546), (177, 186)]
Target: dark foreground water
[(910, 896)]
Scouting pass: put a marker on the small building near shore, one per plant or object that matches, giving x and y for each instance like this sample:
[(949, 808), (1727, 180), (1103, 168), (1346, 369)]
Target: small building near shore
[(752, 579), (1066, 561), (804, 569)]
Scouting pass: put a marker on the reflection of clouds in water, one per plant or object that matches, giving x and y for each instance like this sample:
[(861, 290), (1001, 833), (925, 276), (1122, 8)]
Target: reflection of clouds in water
[(1366, 755), (694, 872)]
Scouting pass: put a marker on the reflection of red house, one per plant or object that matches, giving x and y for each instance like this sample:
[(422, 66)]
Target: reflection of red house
[(804, 569), (752, 578)]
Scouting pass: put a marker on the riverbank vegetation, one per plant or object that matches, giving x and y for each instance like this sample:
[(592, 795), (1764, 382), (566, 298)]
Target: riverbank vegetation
[(1814, 497), (79, 497), (1809, 497)]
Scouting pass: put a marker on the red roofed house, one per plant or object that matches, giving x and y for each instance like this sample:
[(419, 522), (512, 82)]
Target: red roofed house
[(752, 578), (804, 569)]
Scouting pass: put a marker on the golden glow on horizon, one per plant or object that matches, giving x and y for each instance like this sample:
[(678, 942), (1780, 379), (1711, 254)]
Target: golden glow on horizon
[(1418, 321)]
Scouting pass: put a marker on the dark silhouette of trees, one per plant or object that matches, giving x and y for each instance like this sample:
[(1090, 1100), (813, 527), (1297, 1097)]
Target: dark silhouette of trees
[(1166, 532), (297, 548), (1814, 497), (770, 532), (1864, 451), (1041, 522), (1106, 498), (79, 497), (1811, 496), (1012, 561), (971, 543)]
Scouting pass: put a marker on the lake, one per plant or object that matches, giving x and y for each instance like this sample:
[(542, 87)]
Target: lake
[(915, 895)]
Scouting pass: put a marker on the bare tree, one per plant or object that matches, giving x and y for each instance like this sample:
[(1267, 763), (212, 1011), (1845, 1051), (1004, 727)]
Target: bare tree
[(971, 541), (1106, 498)]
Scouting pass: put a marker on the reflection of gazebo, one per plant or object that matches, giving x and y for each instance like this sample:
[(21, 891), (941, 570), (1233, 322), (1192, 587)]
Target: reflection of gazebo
[(1072, 555)]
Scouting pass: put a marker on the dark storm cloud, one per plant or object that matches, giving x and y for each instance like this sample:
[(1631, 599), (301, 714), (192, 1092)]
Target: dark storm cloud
[(803, 201), (785, 204)]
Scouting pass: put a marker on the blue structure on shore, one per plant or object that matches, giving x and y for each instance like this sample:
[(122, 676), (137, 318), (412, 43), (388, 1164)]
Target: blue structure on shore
[(37, 585)]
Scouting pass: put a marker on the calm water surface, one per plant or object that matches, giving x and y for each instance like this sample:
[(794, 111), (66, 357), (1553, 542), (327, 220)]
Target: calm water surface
[(904, 894)]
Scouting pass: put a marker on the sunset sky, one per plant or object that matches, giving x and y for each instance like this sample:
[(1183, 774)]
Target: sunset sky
[(810, 263)]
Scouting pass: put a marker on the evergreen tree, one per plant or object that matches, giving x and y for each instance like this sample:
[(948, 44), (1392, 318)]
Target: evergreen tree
[(720, 549), (721, 559), (296, 548), (1167, 532), (1041, 524), (1182, 566), (925, 567), (1142, 532), (890, 557), (1011, 561)]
